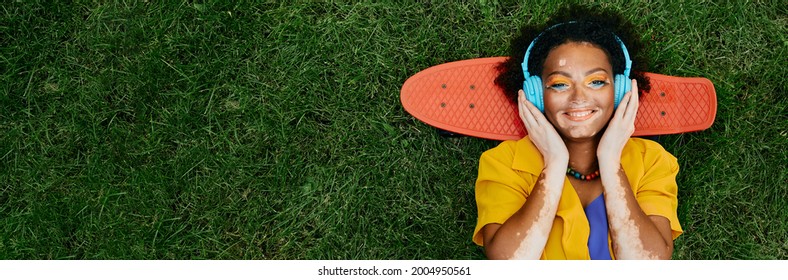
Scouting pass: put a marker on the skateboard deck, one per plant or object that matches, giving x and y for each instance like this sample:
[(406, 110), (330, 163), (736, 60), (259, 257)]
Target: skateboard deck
[(461, 97)]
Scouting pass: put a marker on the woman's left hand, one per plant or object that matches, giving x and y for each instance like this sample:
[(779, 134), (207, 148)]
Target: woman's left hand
[(620, 128)]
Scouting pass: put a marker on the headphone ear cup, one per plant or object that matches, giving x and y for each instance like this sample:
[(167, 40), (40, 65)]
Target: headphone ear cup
[(622, 86), (534, 94), (528, 91)]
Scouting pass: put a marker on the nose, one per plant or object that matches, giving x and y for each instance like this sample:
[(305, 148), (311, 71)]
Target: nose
[(579, 95)]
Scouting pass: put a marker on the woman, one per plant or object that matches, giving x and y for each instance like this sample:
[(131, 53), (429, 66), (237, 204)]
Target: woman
[(578, 186)]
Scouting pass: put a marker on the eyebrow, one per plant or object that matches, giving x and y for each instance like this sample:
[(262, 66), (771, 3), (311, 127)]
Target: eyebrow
[(587, 72), (595, 70), (559, 72)]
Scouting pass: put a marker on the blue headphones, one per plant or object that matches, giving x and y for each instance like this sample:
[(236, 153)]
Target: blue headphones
[(534, 91)]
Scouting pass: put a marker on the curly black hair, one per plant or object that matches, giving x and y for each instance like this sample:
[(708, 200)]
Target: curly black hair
[(575, 23)]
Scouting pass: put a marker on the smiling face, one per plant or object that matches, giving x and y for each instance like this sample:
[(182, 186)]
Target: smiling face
[(578, 93)]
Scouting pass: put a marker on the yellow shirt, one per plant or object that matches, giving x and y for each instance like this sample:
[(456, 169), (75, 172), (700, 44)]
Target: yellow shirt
[(508, 173)]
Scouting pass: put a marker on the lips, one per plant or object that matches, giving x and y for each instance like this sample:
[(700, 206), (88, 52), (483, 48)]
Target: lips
[(579, 115)]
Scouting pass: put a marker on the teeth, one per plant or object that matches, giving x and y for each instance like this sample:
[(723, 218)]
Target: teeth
[(579, 114)]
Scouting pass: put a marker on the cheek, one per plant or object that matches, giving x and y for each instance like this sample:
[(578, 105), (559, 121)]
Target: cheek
[(552, 102), (607, 98), (606, 102), (554, 99)]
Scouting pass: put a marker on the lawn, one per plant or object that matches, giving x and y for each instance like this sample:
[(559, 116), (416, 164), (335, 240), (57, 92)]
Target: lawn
[(208, 130)]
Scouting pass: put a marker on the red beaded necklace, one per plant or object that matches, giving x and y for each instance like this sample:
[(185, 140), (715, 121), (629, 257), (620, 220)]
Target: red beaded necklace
[(589, 177)]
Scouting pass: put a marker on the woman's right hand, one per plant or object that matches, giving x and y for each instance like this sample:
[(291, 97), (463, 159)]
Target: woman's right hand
[(542, 133)]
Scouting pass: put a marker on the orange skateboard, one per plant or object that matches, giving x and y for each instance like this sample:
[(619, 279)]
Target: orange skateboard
[(461, 97)]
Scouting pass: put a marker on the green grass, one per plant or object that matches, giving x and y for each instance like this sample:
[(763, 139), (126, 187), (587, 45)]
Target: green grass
[(133, 130)]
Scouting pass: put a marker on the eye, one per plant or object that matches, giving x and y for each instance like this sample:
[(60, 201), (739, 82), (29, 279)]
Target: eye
[(559, 86), (596, 84)]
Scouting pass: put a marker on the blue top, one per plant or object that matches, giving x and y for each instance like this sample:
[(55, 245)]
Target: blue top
[(597, 220)]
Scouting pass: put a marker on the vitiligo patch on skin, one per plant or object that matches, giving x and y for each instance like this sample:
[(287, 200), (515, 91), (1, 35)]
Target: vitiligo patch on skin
[(627, 233), (536, 237), (533, 243)]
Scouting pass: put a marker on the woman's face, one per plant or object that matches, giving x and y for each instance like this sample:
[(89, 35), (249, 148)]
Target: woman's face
[(578, 95)]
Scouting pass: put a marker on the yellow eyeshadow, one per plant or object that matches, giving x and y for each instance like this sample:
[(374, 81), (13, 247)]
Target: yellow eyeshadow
[(595, 78), (557, 80)]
